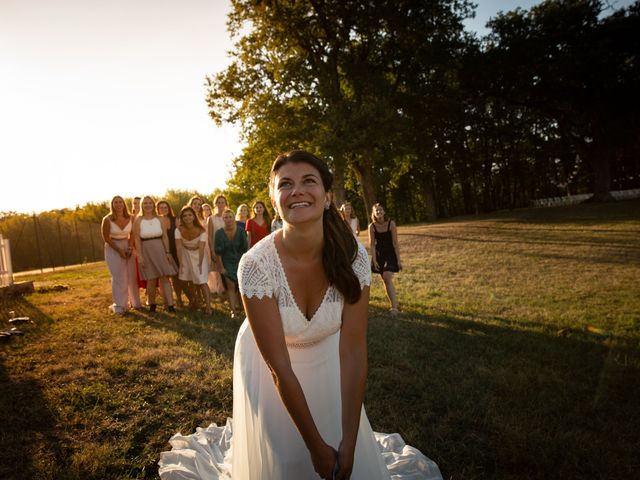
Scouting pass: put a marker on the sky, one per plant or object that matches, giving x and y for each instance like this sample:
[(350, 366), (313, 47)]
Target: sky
[(106, 97)]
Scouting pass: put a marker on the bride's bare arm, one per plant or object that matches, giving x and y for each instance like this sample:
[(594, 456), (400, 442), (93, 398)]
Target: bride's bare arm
[(353, 376), (264, 318)]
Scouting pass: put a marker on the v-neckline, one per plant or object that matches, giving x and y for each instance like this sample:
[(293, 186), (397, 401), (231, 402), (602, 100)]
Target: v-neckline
[(293, 298), (119, 227)]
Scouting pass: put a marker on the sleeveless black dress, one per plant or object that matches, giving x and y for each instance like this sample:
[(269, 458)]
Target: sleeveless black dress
[(385, 253)]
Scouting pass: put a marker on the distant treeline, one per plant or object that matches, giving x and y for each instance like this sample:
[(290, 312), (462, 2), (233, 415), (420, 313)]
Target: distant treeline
[(416, 112)]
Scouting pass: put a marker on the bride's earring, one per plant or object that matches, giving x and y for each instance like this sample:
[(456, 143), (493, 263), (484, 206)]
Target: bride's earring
[(326, 206)]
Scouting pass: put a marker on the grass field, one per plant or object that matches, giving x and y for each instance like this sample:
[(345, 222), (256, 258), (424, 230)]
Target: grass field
[(517, 355)]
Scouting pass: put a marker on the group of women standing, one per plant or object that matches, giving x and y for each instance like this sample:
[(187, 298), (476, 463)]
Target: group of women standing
[(195, 253)]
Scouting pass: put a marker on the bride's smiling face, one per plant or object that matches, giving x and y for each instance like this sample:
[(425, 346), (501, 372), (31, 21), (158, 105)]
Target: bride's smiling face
[(299, 195)]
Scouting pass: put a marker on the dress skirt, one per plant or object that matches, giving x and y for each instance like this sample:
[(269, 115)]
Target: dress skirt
[(189, 269), (262, 442), (267, 445), (123, 277), (156, 261)]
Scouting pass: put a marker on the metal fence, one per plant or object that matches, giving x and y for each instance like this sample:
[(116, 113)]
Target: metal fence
[(48, 241)]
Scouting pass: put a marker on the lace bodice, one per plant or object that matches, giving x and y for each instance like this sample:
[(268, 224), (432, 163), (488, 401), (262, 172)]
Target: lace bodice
[(260, 274)]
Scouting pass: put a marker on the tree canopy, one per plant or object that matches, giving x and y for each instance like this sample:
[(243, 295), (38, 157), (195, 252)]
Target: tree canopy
[(415, 112)]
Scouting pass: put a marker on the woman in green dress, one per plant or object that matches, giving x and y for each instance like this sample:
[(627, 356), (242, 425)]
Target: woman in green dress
[(230, 245)]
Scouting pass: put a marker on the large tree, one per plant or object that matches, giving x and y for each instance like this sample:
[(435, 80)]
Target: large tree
[(333, 77), (578, 68)]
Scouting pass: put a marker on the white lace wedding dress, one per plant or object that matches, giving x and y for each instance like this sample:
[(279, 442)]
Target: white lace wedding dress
[(262, 442)]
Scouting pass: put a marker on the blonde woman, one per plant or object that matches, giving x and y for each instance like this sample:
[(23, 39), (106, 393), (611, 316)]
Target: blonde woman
[(349, 216), (242, 215), (154, 256), (215, 223)]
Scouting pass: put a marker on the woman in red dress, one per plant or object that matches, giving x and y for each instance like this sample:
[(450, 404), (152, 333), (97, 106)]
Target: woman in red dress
[(259, 225)]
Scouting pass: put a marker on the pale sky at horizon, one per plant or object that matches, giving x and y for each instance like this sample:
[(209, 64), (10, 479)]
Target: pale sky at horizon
[(99, 98)]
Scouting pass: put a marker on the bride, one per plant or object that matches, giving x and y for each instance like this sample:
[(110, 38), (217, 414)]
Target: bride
[(300, 360)]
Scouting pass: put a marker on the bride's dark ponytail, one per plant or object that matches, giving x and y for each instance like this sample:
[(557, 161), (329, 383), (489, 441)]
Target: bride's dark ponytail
[(340, 246)]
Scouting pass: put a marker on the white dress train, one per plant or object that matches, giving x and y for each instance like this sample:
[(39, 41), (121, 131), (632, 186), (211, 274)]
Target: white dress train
[(262, 442)]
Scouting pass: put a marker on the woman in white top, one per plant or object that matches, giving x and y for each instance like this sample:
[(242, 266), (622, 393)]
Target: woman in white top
[(215, 223), (349, 216), (154, 257), (191, 243), (118, 247), (300, 361)]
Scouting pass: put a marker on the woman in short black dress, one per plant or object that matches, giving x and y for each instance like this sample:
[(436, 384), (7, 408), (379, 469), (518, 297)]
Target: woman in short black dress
[(385, 254)]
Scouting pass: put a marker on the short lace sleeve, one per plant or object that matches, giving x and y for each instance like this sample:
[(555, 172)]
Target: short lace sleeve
[(254, 279), (177, 234), (361, 266), (203, 237)]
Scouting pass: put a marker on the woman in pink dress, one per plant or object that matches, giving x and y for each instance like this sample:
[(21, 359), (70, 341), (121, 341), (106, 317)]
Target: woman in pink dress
[(118, 248)]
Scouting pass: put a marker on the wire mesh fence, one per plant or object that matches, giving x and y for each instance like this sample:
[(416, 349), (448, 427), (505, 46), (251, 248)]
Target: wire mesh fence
[(51, 241)]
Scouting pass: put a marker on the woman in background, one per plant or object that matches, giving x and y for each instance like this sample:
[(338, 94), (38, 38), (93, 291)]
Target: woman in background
[(242, 215), (165, 210), (215, 223), (154, 256), (349, 216), (230, 245), (276, 223), (118, 249), (207, 211), (385, 254), (191, 242), (135, 211), (259, 225), (196, 203)]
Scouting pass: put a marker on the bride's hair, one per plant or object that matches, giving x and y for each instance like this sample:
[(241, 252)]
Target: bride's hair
[(340, 246)]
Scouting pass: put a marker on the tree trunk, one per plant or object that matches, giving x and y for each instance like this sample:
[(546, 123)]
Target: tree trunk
[(601, 176), (364, 173), (429, 196)]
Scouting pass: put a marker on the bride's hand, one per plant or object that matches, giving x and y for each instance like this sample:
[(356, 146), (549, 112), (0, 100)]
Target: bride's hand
[(345, 460), (324, 459)]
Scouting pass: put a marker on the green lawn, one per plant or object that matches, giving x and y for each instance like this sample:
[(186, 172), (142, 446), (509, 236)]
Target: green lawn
[(516, 356)]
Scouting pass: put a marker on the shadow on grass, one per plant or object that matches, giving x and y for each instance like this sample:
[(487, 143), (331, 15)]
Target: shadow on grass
[(487, 401), (29, 441), (216, 331)]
